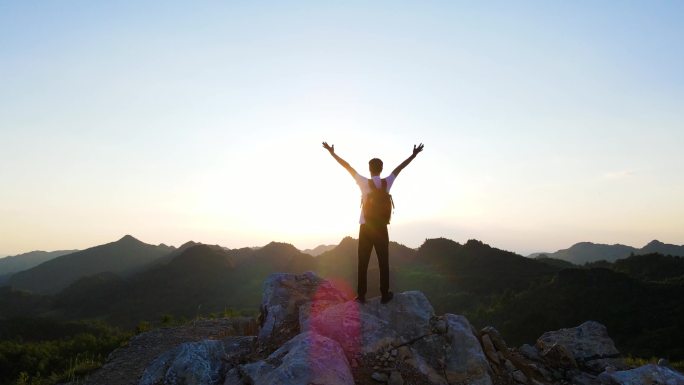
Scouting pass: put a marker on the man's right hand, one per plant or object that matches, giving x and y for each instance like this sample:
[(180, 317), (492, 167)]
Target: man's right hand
[(418, 149), (329, 148)]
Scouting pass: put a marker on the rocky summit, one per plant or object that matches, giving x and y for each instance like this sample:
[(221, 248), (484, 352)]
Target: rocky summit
[(312, 333)]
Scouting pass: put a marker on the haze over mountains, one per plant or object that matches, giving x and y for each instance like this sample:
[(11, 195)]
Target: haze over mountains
[(318, 250), (579, 253), (49, 273), (125, 256), (13, 264), (128, 281), (585, 252)]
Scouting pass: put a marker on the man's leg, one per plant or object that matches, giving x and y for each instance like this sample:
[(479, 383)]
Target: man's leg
[(365, 248), (381, 239)]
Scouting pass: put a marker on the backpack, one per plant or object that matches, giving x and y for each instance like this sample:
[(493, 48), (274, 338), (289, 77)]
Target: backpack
[(377, 207)]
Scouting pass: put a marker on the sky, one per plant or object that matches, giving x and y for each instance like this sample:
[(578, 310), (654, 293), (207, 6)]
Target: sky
[(545, 123)]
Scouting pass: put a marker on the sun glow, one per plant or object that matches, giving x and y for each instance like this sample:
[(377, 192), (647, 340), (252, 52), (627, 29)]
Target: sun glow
[(118, 123)]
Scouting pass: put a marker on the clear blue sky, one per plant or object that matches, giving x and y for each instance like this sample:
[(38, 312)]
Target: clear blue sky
[(545, 123)]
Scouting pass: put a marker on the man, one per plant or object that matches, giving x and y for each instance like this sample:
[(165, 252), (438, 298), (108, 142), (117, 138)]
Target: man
[(373, 232)]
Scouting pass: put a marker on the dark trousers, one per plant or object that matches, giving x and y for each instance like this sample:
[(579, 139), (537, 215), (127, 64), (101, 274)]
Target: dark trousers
[(370, 236)]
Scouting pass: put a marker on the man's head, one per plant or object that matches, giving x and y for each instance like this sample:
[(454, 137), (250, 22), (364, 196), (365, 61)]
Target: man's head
[(375, 166)]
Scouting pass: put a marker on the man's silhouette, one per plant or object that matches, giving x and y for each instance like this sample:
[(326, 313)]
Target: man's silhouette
[(373, 233)]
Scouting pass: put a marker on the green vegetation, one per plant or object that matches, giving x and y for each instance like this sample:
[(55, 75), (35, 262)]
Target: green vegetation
[(42, 351), (638, 298), (45, 352), (643, 318), (636, 361)]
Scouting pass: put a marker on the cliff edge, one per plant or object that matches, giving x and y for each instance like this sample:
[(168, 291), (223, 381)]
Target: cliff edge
[(312, 333)]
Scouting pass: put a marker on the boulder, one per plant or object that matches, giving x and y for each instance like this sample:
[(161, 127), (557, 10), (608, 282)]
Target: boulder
[(283, 296), (380, 377), (495, 337), (587, 341), (647, 374), (578, 346), (489, 349), (428, 357), (558, 356), (581, 378), (196, 363), (308, 358), (455, 357), (371, 327), (465, 361), (530, 352), (395, 378)]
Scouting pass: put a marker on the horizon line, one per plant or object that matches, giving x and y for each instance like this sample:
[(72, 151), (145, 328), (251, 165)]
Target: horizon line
[(5, 255)]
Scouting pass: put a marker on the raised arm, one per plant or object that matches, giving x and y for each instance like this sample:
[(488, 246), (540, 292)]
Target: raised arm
[(416, 151), (342, 162)]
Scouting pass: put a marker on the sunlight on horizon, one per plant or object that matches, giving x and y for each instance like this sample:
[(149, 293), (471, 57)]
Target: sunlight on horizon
[(544, 125)]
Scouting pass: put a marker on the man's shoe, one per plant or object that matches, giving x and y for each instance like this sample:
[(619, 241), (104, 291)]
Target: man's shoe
[(387, 297), (360, 299)]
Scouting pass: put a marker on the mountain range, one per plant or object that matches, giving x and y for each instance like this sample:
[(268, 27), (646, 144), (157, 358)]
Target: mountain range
[(13, 264), (318, 250), (128, 281), (125, 256), (584, 252), (135, 254)]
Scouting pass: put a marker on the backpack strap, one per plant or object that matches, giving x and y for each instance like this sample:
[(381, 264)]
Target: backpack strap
[(371, 184)]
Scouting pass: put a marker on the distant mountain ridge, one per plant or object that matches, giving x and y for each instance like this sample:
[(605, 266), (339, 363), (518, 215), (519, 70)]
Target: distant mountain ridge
[(201, 278), (91, 284), (125, 256), (16, 263), (585, 252), (638, 297), (656, 246), (318, 250)]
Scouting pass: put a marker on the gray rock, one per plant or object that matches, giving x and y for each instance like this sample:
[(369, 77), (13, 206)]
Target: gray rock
[(308, 358), (282, 298), (519, 377), (509, 366), (439, 326), (465, 361), (599, 365), (403, 353), (496, 338), (558, 356), (582, 378), (372, 327), (530, 352), (489, 349), (455, 357), (538, 370), (314, 307), (197, 363), (380, 377), (647, 374), (604, 379), (395, 378), (586, 342), (433, 370), (428, 357), (233, 378)]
